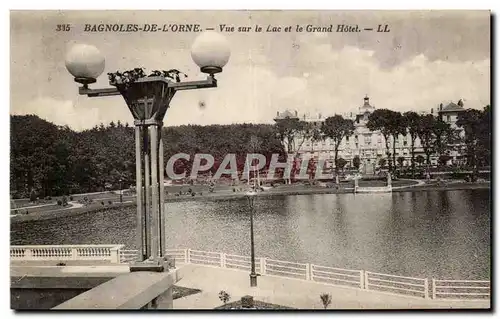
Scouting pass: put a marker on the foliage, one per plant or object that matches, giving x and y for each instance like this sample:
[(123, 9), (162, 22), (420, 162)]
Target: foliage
[(33, 196), (356, 162), (477, 127), (380, 120), (64, 201), (224, 296), (130, 76), (337, 128), (412, 120), (443, 159), (341, 163), (55, 161), (396, 127), (326, 299), (401, 161), (382, 162), (287, 131), (420, 159)]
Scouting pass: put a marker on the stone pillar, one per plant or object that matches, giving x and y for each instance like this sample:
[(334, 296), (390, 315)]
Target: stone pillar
[(356, 183), (389, 180), (115, 255)]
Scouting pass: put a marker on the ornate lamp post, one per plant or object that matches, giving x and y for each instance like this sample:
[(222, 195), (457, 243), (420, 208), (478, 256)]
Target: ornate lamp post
[(253, 276), (148, 98)]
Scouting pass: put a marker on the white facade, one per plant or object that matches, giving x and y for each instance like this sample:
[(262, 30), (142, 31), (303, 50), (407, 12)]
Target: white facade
[(368, 145)]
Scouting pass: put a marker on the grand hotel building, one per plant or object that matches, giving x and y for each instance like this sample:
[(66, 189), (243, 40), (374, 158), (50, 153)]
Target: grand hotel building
[(369, 145)]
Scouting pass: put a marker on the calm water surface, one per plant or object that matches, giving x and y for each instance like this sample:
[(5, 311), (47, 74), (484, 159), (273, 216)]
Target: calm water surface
[(443, 234)]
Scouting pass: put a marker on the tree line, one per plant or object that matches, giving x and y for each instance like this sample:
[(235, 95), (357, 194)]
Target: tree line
[(436, 136), (55, 160)]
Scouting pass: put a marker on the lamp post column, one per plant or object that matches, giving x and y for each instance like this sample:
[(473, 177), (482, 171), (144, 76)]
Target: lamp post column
[(161, 178), (253, 275), (147, 186), (121, 193), (139, 196), (154, 193)]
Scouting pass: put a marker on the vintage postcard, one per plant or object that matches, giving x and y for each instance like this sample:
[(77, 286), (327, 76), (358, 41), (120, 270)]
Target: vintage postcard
[(290, 160)]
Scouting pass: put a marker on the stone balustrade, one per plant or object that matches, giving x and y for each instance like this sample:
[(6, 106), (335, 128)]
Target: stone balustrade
[(109, 253)]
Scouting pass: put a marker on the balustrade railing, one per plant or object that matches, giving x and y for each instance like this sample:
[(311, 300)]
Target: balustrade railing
[(418, 287), (337, 276), (360, 279), (109, 253), (460, 289)]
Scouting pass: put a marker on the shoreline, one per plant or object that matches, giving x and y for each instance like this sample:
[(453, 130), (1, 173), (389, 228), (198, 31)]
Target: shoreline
[(36, 216)]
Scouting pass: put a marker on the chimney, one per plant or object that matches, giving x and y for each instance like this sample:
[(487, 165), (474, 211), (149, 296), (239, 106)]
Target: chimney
[(432, 110), (351, 114), (277, 113), (460, 103), (441, 106), (296, 113), (319, 115)]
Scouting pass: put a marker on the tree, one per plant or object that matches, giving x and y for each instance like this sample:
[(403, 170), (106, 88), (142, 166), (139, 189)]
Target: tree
[(313, 133), (380, 120), (470, 120), (356, 161), (224, 296), (444, 136), (426, 135), (420, 159), (341, 163), (337, 128), (484, 146), (401, 161), (33, 196), (326, 299), (288, 130), (397, 126), (412, 123), (382, 162), (443, 159)]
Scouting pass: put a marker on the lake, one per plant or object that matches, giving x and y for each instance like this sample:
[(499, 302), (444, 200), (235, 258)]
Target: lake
[(440, 234)]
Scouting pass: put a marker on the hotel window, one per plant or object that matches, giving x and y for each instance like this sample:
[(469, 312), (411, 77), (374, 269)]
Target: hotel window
[(448, 118)]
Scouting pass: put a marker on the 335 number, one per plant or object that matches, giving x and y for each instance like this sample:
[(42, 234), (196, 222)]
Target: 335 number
[(63, 27)]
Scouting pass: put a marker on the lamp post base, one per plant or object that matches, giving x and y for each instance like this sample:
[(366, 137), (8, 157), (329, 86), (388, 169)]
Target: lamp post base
[(253, 280)]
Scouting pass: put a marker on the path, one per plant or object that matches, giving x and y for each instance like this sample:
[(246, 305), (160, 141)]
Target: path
[(294, 293)]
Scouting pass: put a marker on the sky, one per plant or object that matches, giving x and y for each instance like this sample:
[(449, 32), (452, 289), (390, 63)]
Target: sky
[(427, 58)]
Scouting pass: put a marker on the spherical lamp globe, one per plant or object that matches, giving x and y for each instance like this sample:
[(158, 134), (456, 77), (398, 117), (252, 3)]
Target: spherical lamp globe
[(210, 51), (85, 62)]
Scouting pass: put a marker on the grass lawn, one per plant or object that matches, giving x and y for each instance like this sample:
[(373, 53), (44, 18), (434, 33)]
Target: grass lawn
[(236, 305), (179, 292)]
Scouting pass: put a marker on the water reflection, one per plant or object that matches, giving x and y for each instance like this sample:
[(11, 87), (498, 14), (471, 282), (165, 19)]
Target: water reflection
[(431, 234)]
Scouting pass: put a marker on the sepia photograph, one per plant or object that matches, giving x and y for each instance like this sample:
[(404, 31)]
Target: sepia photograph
[(250, 160)]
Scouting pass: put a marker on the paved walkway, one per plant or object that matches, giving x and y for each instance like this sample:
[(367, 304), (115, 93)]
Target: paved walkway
[(293, 293)]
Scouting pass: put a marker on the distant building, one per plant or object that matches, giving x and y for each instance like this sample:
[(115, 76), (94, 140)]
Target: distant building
[(368, 145)]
